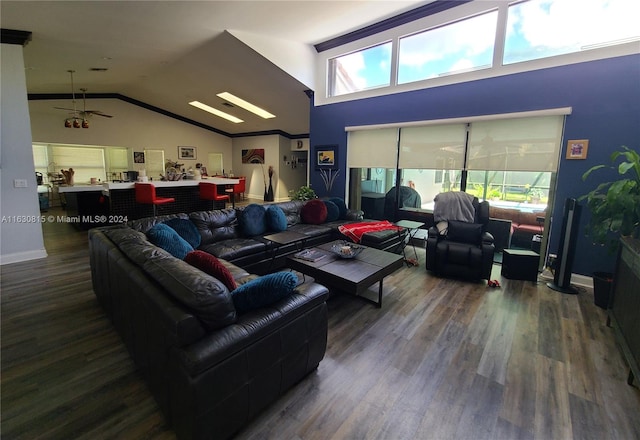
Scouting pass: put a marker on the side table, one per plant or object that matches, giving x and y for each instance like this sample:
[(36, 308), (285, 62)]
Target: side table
[(412, 227), (520, 264)]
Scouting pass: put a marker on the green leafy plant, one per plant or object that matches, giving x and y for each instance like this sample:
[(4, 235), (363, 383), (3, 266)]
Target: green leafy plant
[(615, 206), (303, 193)]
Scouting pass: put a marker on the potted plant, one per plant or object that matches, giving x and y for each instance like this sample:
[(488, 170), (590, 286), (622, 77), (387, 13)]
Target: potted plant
[(304, 193), (615, 211)]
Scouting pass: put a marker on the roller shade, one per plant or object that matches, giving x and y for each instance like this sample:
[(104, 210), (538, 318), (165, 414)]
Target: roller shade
[(433, 147), (374, 148), (522, 144)]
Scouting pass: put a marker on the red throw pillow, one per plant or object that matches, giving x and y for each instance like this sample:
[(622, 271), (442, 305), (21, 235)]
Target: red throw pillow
[(314, 212), (212, 266)]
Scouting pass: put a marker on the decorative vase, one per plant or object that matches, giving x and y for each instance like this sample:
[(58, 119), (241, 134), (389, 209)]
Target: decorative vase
[(269, 196), (266, 194)]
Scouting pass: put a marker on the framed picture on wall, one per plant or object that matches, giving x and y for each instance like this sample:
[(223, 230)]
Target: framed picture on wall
[(138, 157), (186, 152), (326, 157), (577, 149)]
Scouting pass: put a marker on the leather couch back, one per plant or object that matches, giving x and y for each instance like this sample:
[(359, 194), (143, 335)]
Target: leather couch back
[(216, 225)]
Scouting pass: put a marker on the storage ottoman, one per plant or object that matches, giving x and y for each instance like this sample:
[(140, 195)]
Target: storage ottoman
[(520, 264)]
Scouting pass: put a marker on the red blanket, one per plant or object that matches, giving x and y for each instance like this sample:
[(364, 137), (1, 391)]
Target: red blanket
[(355, 230)]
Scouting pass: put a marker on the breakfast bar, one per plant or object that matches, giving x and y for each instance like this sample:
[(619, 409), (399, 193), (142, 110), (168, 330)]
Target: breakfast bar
[(118, 200)]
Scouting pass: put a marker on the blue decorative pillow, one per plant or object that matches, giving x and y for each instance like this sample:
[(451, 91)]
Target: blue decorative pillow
[(342, 206), (185, 229), (253, 220), (263, 291), (276, 220), (333, 212), (168, 239)]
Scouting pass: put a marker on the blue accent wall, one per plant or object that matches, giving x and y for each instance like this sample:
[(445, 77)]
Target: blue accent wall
[(604, 95)]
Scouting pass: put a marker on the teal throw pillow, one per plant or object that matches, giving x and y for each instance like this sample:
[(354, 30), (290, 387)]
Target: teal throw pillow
[(263, 291), (333, 212), (185, 229), (168, 239), (276, 220), (253, 220), (342, 206)]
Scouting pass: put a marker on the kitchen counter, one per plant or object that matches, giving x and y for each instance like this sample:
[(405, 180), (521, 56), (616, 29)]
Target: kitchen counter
[(116, 200)]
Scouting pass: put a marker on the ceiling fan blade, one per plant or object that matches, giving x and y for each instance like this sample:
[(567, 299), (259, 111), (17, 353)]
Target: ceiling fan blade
[(64, 108), (98, 113)]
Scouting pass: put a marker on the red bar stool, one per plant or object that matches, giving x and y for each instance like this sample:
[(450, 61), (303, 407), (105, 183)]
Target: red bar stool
[(238, 188), (146, 195), (209, 191)]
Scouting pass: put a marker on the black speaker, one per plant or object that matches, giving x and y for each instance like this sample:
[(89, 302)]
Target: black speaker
[(566, 251)]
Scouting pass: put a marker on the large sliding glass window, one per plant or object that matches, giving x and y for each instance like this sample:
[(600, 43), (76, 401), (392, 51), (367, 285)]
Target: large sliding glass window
[(510, 161), (455, 48)]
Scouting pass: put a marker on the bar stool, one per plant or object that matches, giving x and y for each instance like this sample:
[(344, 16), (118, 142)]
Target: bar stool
[(209, 191), (238, 188), (146, 195)]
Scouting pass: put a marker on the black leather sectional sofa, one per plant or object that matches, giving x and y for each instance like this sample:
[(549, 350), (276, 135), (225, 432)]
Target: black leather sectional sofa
[(210, 368)]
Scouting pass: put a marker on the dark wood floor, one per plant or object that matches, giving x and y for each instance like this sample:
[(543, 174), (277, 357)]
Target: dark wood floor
[(442, 359)]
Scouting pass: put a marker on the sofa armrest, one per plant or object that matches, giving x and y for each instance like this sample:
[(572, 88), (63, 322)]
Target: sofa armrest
[(354, 214), (223, 343)]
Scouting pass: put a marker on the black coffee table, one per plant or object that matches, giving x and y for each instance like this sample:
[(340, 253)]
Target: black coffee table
[(353, 275)]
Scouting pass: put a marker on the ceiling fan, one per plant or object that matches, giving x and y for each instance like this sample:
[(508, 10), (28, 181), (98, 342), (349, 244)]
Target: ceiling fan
[(78, 115)]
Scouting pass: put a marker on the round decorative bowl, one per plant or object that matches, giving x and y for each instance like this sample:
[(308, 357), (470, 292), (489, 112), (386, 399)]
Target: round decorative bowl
[(346, 250)]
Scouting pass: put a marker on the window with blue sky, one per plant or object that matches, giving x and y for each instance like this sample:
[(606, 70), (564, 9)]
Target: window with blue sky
[(543, 28), (458, 47), (530, 29)]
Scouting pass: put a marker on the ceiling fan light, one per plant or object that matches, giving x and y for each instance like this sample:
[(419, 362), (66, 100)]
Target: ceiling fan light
[(76, 123), (67, 123), (85, 123)]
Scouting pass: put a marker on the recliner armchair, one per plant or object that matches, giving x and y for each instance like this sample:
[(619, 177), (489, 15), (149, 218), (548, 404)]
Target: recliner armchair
[(463, 249)]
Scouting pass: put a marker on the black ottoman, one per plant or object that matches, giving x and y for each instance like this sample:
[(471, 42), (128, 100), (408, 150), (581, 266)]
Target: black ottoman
[(520, 264), (390, 241)]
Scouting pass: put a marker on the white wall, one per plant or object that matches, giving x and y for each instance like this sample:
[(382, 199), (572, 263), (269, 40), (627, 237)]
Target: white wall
[(19, 241), (131, 126)]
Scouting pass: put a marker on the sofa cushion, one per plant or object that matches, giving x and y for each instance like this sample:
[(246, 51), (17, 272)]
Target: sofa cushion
[(168, 239), (333, 212), (342, 206), (263, 291), (276, 220), (211, 265), (314, 212), (253, 221), (185, 229), (464, 232)]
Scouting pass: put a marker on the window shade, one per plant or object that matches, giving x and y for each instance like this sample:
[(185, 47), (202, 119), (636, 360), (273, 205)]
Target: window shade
[(118, 159), (523, 144), (433, 147), (87, 162), (375, 148), (154, 163)]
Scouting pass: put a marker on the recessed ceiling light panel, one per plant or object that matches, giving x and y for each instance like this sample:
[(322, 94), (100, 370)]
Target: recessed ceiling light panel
[(216, 112), (246, 105)]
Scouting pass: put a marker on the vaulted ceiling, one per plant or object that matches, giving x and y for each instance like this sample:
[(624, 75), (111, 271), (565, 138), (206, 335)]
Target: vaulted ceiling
[(165, 54)]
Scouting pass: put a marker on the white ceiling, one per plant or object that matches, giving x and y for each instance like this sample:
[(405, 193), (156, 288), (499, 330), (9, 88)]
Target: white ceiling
[(167, 53)]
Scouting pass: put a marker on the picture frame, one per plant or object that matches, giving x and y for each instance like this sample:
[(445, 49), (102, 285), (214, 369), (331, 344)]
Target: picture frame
[(253, 155), (138, 157), (188, 153), (326, 157), (577, 149)]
